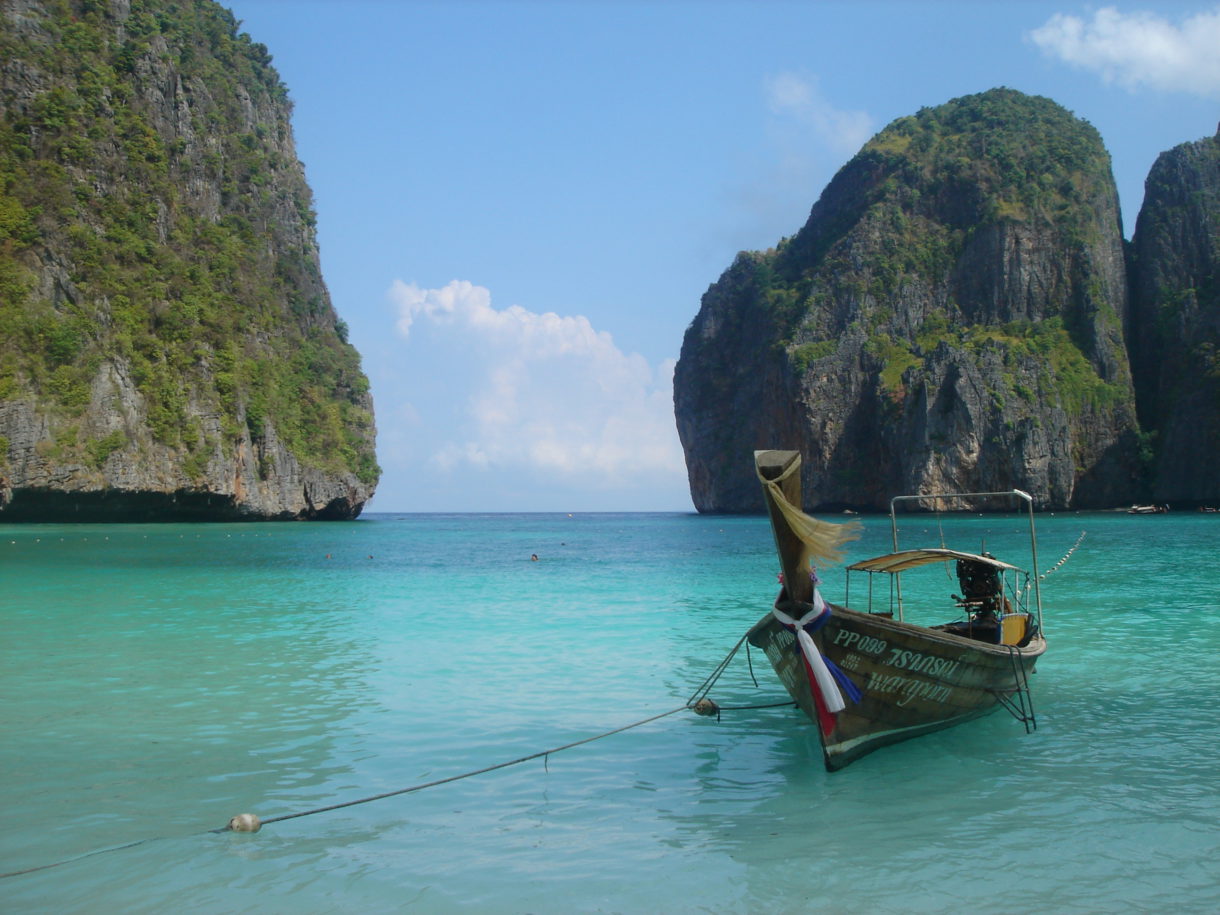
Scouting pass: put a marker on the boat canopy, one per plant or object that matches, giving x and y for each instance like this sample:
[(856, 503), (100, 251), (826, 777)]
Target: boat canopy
[(910, 559)]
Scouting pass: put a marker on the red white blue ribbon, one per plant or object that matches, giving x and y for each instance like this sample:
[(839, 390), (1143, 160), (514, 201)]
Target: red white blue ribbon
[(821, 678), (827, 683)]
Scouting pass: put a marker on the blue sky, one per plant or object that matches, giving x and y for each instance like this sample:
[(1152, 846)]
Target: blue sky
[(521, 203)]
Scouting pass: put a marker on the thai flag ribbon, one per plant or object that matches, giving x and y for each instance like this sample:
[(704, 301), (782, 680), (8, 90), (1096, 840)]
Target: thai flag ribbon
[(828, 682)]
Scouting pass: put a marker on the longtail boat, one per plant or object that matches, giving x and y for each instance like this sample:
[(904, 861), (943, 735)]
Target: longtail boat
[(867, 678)]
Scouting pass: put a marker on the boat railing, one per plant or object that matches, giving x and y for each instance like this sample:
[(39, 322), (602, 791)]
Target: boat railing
[(1014, 494), (1015, 594), (1016, 586)]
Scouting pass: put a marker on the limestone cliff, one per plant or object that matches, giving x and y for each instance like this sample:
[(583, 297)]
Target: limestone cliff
[(1175, 322), (168, 348), (951, 317)]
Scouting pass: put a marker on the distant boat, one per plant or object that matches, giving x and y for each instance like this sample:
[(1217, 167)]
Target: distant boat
[(865, 678), (1148, 509)]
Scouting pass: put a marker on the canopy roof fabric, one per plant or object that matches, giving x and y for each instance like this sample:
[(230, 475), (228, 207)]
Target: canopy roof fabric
[(910, 559)]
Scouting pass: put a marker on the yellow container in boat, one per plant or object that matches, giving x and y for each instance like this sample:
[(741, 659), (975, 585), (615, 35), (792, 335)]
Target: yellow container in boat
[(1013, 627)]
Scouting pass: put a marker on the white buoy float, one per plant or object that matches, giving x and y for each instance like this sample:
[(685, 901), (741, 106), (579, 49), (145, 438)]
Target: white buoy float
[(245, 822)]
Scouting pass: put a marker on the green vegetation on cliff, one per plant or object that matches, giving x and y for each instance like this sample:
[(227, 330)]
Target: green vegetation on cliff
[(996, 157), (153, 218), (923, 198), (1062, 372)]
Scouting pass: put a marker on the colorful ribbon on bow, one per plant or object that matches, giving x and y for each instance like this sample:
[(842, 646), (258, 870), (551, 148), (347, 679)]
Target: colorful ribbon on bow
[(826, 681)]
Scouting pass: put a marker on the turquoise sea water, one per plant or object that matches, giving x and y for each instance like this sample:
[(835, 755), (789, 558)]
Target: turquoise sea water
[(155, 680)]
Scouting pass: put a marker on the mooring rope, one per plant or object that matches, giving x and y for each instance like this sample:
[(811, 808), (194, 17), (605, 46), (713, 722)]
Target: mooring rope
[(453, 778), (706, 686), (702, 705), (940, 527), (364, 800), (250, 823), (88, 854)]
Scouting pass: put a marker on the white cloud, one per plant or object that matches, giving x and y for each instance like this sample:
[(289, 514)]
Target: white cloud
[(800, 99), (1139, 49), (511, 389), (807, 139), (441, 305)]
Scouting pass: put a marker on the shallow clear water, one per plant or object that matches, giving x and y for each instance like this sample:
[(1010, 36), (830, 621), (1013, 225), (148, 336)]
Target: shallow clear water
[(156, 680)]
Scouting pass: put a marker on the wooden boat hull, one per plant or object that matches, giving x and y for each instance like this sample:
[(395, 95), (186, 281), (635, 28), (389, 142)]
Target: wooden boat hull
[(912, 679)]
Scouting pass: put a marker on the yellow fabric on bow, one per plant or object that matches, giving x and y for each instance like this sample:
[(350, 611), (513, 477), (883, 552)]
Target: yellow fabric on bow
[(823, 539)]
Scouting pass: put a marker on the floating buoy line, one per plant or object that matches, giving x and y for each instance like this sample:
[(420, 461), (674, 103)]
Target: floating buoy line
[(1066, 556), (251, 822)]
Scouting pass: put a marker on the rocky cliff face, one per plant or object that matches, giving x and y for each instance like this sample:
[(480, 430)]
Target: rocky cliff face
[(949, 318), (1175, 337), (167, 346)]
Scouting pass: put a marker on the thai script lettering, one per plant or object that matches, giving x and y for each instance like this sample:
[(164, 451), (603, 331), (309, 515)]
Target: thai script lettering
[(920, 663), (865, 643)]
